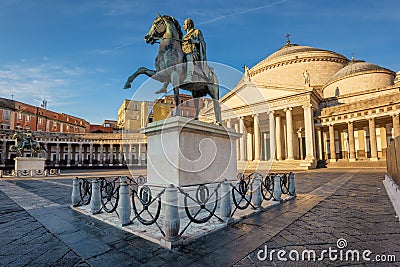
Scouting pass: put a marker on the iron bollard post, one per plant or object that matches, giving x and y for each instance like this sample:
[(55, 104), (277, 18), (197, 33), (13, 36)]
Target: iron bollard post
[(95, 203), (124, 205), (292, 187), (172, 220), (257, 197), (225, 208), (277, 188), (75, 197)]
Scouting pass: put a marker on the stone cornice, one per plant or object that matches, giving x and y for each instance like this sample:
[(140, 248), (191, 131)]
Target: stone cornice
[(270, 65), (263, 107)]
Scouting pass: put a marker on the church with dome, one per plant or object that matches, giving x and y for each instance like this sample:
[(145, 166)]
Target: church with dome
[(302, 106)]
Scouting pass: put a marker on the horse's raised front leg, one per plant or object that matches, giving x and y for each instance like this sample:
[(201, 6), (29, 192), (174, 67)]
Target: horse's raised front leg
[(141, 70)]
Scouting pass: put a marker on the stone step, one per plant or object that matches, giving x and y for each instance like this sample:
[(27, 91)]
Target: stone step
[(344, 163), (265, 166)]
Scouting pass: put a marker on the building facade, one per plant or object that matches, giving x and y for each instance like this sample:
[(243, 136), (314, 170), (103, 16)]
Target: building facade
[(133, 115), (83, 149), (303, 104), (15, 115)]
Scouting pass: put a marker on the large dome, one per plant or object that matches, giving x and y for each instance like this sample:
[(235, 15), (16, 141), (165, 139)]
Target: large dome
[(358, 76), (288, 65)]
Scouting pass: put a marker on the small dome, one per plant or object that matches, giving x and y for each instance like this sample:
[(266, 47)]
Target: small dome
[(357, 76), (356, 67)]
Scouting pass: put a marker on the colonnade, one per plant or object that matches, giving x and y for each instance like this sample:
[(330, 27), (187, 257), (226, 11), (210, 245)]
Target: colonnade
[(280, 126)]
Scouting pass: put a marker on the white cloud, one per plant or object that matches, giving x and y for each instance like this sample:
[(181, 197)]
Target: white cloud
[(27, 83)]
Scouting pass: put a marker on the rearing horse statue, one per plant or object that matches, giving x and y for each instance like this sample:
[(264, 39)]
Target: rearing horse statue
[(22, 141), (171, 67)]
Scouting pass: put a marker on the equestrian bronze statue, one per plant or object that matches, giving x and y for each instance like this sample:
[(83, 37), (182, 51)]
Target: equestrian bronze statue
[(181, 62), (25, 141)]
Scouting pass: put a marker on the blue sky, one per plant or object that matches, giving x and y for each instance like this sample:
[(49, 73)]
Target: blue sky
[(78, 54)]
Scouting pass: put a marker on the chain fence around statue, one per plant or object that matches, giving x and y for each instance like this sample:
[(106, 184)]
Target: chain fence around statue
[(181, 62)]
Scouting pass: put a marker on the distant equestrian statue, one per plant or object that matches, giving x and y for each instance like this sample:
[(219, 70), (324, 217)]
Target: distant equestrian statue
[(25, 141), (187, 69)]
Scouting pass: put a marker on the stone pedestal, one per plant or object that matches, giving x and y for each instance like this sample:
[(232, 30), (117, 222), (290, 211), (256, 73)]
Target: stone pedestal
[(25, 166), (183, 152)]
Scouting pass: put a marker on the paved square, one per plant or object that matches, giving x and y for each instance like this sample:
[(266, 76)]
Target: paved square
[(39, 229)]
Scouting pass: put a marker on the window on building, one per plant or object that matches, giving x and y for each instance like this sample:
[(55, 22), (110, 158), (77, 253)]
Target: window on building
[(27, 117), (67, 127), (181, 101), (135, 106), (6, 114), (187, 103), (150, 119), (172, 112), (187, 113), (40, 120), (182, 113), (150, 110), (19, 116)]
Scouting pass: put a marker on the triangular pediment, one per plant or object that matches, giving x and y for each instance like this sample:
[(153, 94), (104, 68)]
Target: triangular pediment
[(248, 94)]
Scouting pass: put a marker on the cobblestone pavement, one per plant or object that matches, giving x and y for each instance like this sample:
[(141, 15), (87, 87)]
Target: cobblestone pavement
[(37, 228)]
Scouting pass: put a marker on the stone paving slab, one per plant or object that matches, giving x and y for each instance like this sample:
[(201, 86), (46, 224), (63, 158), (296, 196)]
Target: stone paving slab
[(24, 241)]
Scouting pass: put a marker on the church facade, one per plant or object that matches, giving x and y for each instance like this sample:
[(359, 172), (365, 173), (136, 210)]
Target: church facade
[(301, 105)]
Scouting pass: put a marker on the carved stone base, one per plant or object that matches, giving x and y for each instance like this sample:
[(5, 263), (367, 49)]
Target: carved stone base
[(29, 167)]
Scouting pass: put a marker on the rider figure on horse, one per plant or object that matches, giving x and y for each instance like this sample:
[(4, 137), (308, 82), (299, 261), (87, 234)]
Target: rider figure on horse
[(194, 47)]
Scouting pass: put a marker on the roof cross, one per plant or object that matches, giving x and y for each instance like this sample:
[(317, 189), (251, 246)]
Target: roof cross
[(288, 38)]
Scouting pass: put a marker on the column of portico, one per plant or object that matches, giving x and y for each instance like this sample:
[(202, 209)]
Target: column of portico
[(352, 144), (48, 151), (58, 153), (3, 152), (129, 153), (278, 126), (111, 153), (91, 154), (101, 154), (228, 123), (396, 125), (272, 135), (332, 146), (257, 137), (237, 142), (242, 130), (320, 142), (140, 154), (372, 139), (309, 131), (80, 161), (69, 154), (289, 132), (121, 154)]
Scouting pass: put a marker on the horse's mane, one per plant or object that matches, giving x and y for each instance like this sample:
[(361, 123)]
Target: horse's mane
[(176, 23)]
